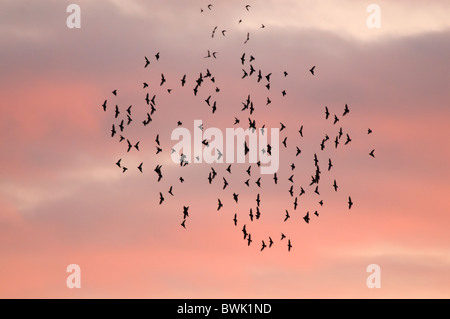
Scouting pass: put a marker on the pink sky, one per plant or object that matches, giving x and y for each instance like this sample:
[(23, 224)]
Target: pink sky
[(63, 201)]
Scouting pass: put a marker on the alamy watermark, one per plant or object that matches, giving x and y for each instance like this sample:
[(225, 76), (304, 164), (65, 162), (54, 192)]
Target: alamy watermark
[(209, 146)]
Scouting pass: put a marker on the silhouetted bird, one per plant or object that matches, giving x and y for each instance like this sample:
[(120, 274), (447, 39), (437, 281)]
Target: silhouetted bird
[(346, 110), (306, 218)]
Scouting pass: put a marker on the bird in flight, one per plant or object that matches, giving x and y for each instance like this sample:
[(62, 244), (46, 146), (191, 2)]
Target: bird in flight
[(248, 38), (306, 218), (140, 167), (287, 216), (346, 110), (350, 203), (247, 7), (312, 70), (263, 245), (335, 186), (289, 245), (372, 153), (147, 62), (157, 56), (185, 211), (161, 198), (220, 205)]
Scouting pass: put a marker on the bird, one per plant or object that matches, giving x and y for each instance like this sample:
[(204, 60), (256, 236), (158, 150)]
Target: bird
[(336, 119), (312, 70), (369, 131), (163, 80), (330, 165), (130, 146), (185, 211), (170, 190), (283, 236), (346, 110), (306, 218), (270, 242), (275, 178), (372, 153), (114, 92), (335, 186), (140, 167), (291, 179), (298, 151), (287, 215), (350, 203), (210, 6), (248, 38), (249, 239), (157, 56), (229, 169), (251, 214), (282, 127), (302, 191), (223, 32), (219, 205), (136, 146), (244, 230), (247, 7), (236, 197), (289, 245), (291, 190), (124, 169), (283, 92), (184, 223), (117, 112), (258, 200), (104, 105), (327, 113), (161, 198), (348, 140), (235, 220), (301, 131), (263, 245), (147, 62), (113, 131), (258, 182), (243, 58), (119, 163), (295, 203)]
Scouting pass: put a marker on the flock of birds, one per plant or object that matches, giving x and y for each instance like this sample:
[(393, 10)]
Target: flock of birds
[(123, 117)]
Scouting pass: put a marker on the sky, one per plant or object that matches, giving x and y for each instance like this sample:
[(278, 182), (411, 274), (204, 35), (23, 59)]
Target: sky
[(64, 201)]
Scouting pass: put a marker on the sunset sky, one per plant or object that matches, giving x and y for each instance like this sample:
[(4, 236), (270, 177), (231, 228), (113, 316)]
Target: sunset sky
[(64, 201)]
